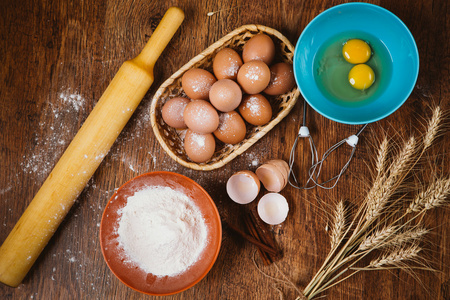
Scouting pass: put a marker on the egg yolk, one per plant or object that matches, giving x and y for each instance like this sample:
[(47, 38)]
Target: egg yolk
[(356, 51), (361, 77)]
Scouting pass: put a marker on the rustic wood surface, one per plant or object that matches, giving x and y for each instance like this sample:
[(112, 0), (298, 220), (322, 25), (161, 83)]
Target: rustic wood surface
[(56, 59)]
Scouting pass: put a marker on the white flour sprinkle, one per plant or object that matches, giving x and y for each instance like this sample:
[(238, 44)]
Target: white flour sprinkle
[(53, 138), (198, 140), (75, 100)]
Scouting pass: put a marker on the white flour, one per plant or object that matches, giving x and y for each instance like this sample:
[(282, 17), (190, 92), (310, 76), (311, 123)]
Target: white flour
[(161, 231)]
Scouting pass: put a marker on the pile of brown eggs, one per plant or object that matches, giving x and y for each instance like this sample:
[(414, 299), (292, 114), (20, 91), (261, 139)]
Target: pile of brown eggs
[(218, 104)]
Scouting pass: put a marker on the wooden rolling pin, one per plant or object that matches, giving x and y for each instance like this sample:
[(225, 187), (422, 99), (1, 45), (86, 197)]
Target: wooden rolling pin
[(84, 154)]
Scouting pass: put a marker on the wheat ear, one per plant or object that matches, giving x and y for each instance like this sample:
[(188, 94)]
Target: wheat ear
[(376, 240), (380, 162), (413, 235), (394, 258), (384, 187), (434, 196), (338, 228), (432, 127)]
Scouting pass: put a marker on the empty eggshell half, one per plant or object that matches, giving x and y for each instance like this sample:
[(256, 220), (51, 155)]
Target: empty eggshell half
[(273, 208), (243, 187), (271, 177)]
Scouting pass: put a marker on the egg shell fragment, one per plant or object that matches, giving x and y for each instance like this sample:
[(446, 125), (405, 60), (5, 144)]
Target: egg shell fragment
[(200, 116), (273, 208), (226, 64), (199, 147), (259, 47), (282, 167), (243, 187), (196, 83), (231, 128), (271, 177)]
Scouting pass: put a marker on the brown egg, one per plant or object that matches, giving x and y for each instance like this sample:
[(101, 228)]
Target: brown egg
[(260, 47), (200, 116), (226, 64), (254, 76), (172, 112), (199, 147), (255, 109), (231, 128), (281, 79), (225, 95), (196, 83)]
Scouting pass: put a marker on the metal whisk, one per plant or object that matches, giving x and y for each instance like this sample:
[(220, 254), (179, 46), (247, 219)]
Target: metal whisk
[(316, 164), (303, 132)]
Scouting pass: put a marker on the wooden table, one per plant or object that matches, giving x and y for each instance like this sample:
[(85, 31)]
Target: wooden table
[(57, 57)]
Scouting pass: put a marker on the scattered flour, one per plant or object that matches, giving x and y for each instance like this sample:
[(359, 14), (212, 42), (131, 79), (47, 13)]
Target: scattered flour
[(75, 100), (53, 138)]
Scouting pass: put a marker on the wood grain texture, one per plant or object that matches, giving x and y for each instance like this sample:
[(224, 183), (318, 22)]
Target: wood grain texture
[(57, 58)]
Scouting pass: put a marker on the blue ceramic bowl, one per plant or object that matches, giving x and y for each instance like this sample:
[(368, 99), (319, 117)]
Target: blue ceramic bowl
[(360, 20)]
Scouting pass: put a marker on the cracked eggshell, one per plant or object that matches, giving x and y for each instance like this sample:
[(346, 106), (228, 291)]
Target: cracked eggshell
[(271, 177), (273, 208), (243, 187), (282, 166)]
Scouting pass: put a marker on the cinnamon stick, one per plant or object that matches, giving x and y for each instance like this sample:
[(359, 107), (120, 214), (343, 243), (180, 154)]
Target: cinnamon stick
[(267, 260), (252, 240), (264, 233)]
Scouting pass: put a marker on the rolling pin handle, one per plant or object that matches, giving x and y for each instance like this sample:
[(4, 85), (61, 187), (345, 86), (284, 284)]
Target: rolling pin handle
[(160, 38)]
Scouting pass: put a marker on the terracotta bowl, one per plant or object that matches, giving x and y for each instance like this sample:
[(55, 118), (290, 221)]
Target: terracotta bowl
[(137, 278)]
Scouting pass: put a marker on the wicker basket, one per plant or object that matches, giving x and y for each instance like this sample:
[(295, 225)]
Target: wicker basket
[(172, 139)]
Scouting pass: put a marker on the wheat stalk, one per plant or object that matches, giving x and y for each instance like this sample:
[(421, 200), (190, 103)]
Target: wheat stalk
[(338, 228), (384, 187), (394, 258), (383, 222)]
